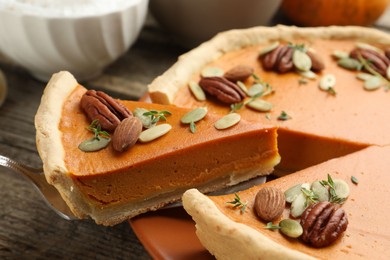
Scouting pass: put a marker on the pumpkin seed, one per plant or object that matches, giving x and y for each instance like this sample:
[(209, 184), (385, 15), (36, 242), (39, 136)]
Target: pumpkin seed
[(154, 133), (269, 48), (388, 72), (363, 45), (255, 89), (212, 72), (364, 76), (94, 144), (307, 74), (340, 54), (320, 190), (197, 91), (227, 121), (146, 120), (194, 115), (291, 228), (294, 191), (242, 87), (350, 64), (260, 105), (373, 83), (298, 205), (301, 60), (3, 87), (327, 81), (341, 188)]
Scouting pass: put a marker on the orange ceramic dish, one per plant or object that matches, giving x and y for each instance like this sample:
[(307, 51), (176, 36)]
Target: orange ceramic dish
[(228, 234), (111, 187), (322, 126)]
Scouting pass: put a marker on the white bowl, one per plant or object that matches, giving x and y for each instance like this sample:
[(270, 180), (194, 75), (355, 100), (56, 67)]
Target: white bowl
[(193, 21), (81, 36)]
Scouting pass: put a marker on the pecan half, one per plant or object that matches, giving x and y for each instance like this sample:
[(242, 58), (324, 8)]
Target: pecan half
[(223, 89), (317, 64), (285, 62), (99, 105), (323, 223), (378, 61), (270, 60), (238, 73)]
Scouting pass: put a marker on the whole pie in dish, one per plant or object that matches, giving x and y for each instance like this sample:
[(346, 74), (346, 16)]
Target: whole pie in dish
[(111, 185), (326, 89)]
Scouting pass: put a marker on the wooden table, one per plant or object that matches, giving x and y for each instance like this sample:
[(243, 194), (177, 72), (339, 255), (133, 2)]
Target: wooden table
[(28, 228)]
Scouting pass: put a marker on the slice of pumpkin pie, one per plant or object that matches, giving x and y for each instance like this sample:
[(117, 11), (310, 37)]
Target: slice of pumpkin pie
[(112, 159), (357, 186)]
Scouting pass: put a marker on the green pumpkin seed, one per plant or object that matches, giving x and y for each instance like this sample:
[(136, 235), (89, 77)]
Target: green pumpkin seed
[(307, 74), (298, 205), (364, 76), (260, 105), (340, 54), (350, 64), (255, 89), (290, 228), (242, 87), (362, 45), (154, 133), (94, 144), (212, 72), (320, 190), (146, 120), (373, 83), (227, 121), (327, 81), (194, 115), (301, 60), (197, 91), (341, 188), (294, 191), (269, 48)]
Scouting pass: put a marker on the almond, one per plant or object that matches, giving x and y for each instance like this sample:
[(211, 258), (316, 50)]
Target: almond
[(126, 134), (269, 203), (238, 73)]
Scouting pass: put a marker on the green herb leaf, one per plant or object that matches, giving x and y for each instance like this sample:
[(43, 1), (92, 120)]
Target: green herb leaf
[(238, 203), (332, 192), (354, 180), (271, 226), (193, 127), (96, 128), (156, 116), (311, 197), (235, 107), (284, 116), (302, 81)]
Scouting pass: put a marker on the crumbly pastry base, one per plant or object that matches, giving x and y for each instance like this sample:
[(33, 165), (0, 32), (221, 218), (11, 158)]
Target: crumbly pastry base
[(164, 88)]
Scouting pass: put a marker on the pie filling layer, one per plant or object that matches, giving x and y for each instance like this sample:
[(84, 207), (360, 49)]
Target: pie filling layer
[(209, 159)]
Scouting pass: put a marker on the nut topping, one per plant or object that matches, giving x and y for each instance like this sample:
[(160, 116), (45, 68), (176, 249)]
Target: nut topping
[(238, 73), (126, 133), (269, 203), (223, 89), (323, 223), (317, 64), (109, 112), (378, 61)]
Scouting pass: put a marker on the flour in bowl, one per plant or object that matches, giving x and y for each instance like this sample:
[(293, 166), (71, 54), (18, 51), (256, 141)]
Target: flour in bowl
[(65, 8)]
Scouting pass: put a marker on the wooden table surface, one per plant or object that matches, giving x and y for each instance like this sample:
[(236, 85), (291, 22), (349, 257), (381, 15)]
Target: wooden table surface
[(28, 228)]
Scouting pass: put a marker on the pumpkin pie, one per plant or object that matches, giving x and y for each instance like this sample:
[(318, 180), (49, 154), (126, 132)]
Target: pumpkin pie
[(321, 125), (230, 234), (111, 186)]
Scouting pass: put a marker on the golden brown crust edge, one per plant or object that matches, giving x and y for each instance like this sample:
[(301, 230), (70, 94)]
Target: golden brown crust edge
[(226, 239), (164, 88)]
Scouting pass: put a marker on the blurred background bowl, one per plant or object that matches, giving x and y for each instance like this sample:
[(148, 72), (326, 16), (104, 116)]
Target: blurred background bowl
[(192, 22), (45, 37)]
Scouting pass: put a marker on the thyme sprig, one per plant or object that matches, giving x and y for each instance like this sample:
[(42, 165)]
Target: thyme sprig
[(238, 203), (96, 129), (332, 192), (311, 197), (271, 226), (156, 116)]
